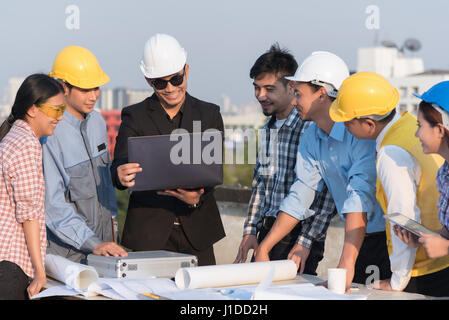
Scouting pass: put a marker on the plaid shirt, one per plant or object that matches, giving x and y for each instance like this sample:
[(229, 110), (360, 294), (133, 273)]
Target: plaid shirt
[(22, 192), (443, 200), (274, 173)]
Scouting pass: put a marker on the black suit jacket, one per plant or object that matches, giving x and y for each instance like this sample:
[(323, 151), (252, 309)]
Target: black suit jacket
[(150, 216)]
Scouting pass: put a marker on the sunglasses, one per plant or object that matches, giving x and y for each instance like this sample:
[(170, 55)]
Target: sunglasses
[(52, 111), (176, 80)]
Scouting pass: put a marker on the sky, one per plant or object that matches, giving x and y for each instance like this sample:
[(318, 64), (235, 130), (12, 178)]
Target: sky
[(222, 38)]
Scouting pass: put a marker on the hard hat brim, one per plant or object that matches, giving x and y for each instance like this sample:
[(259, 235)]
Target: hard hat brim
[(291, 78), (83, 83), (418, 96), (335, 115), (78, 67), (161, 74)]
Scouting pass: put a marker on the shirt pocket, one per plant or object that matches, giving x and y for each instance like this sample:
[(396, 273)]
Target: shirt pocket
[(82, 185), (106, 191)]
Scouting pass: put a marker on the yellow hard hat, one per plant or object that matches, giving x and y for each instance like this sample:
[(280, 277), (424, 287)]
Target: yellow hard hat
[(79, 67), (364, 94)]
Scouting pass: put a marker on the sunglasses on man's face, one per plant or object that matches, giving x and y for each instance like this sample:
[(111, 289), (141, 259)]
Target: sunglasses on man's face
[(176, 80), (52, 111)]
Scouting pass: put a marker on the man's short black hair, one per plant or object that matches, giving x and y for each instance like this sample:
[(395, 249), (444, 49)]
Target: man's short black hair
[(276, 61)]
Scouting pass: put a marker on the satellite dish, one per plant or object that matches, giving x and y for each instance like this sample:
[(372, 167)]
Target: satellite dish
[(412, 44), (388, 44)]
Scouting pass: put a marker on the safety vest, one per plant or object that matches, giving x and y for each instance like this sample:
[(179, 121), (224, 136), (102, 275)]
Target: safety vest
[(402, 134)]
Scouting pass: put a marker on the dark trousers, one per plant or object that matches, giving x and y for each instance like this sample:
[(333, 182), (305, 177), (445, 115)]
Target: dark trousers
[(13, 282), (178, 242), (373, 262), (435, 284), (281, 250)]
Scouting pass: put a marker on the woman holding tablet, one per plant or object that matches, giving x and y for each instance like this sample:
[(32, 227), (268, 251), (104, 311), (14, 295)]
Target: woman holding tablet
[(433, 132)]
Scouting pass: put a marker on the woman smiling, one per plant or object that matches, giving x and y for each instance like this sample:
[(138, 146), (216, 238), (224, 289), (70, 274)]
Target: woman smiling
[(37, 109)]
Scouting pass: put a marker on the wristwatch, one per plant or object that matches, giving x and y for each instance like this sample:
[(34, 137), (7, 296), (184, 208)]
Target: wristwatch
[(194, 206)]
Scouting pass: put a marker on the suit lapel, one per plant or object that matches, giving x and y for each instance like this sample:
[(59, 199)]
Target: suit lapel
[(190, 114), (158, 115)]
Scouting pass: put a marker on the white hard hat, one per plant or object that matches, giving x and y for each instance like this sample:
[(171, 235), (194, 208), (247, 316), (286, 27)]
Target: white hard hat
[(162, 56), (322, 68)]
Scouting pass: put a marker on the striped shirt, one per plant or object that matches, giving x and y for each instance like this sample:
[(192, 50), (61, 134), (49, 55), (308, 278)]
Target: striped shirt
[(443, 200), (274, 173), (22, 192)]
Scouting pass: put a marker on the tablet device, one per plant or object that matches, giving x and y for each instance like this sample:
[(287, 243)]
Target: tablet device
[(408, 224), (179, 160)]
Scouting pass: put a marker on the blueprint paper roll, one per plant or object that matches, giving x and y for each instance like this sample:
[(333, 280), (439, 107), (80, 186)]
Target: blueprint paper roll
[(75, 275), (233, 274)]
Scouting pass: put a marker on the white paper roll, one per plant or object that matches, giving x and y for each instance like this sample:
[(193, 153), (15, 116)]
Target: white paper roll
[(233, 274), (75, 275)]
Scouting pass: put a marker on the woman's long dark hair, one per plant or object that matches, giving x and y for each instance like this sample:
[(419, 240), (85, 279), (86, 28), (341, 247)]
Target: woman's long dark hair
[(433, 117), (35, 89)]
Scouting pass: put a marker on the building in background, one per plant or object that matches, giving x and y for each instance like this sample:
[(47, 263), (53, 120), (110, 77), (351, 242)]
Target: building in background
[(113, 120), (118, 98), (110, 104), (249, 116), (9, 95), (407, 74)]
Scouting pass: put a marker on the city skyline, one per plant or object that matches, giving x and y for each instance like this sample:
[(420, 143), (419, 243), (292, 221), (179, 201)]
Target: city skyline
[(222, 39), (406, 73)]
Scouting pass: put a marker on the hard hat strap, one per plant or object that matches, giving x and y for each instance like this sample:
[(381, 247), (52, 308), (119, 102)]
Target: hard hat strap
[(330, 89), (444, 115)]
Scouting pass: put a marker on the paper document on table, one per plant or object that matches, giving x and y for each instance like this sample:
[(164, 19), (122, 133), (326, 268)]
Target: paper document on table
[(302, 291), (117, 289), (233, 274), (75, 275), (132, 289)]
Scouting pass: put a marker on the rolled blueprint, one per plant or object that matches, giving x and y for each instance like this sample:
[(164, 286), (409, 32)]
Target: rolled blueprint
[(233, 274), (75, 275)]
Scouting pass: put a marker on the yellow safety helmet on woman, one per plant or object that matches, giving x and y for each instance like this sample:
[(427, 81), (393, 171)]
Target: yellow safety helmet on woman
[(79, 67), (364, 95)]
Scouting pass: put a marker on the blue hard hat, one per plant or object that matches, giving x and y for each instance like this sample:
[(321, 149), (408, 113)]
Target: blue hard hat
[(438, 94)]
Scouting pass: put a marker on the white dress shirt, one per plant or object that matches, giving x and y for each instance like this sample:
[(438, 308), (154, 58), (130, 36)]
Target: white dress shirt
[(400, 173)]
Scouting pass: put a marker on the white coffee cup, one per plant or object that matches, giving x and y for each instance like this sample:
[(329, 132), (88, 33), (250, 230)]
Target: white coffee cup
[(336, 280)]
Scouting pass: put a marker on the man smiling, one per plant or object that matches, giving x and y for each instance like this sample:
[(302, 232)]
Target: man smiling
[(330, 156), (80, 200), (305, 243), (180, 220)]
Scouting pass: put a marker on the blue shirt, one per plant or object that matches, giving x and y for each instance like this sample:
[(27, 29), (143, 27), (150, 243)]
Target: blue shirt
[(346, 165), (79, 198), (274, 173)]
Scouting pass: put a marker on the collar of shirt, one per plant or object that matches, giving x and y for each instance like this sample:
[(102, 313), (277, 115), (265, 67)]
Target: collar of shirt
[(337, 132), (291, 121), (70, 118), (25, 126), (180, 112), (384, 131)]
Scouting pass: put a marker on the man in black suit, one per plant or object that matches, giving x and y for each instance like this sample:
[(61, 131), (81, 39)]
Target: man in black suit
[(180, 220)]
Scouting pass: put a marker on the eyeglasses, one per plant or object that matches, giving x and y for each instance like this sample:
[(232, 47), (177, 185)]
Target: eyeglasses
[(52, 111), (176, 81)]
